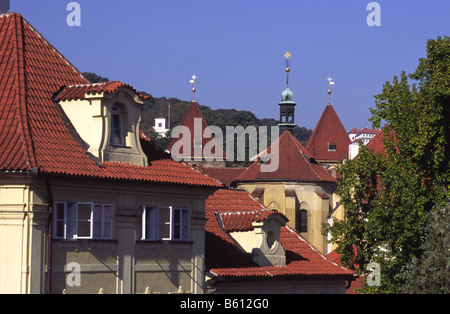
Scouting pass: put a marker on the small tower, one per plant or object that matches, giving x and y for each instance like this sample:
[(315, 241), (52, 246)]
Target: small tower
[(287, 104)]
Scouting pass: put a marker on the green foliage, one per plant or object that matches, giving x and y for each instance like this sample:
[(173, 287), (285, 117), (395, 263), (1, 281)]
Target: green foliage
[(94, 78), (430, 273), (157, 107), (388, 197)]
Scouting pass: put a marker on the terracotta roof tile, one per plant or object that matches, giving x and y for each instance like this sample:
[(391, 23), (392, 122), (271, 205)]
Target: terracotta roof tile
[(295, 164), (329, 131), (33, 134), (74, 92), (377, 143), (192, 113), (224, 258), (225, 175)]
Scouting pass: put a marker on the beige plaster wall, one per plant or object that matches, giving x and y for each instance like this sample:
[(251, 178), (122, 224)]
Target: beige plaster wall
[(123, 264)]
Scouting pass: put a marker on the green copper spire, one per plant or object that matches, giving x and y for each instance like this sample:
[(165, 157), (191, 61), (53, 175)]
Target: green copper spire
[(287, 95)]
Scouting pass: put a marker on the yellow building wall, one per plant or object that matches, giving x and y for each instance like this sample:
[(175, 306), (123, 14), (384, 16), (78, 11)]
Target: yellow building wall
[(23, 215), (122, 265), (308, 197)]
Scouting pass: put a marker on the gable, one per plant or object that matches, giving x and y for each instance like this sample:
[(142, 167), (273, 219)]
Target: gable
[(295, 163), (107, 117), (193, 136)]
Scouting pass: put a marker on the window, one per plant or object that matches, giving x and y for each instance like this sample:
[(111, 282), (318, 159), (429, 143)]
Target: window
[(116, 127), (83, 220), (103, 221), (180, 224), (271, 239), (302, 222), (331, 147), (165, 223)]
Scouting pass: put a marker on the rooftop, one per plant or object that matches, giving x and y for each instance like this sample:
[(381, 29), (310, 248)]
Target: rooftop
[(33, 134), (329, 140), (224, 258), (295, 163)]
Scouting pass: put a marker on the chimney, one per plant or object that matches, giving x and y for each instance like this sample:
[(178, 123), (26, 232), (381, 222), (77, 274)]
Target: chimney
[(4, 6)]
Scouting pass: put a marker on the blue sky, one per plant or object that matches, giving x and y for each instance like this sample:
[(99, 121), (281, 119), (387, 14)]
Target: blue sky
[(236, 48)]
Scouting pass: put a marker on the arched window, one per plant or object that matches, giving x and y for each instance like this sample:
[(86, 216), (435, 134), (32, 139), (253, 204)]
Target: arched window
[(302, 221), (117, 127)]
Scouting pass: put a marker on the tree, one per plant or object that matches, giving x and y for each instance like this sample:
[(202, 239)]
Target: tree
[(431, 273), (94, 78), (388, 196)]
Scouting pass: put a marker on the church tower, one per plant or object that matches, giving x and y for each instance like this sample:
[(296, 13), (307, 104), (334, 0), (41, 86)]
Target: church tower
[(287, 104)]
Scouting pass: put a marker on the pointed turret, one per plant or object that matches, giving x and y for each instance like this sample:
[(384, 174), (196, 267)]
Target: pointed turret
[(329, 141), (195, 142)]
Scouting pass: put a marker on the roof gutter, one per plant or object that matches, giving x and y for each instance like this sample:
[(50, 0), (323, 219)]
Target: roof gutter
[(49, 244)]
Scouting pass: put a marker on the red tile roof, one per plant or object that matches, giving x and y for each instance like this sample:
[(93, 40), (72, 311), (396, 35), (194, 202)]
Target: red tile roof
[(224, 257), (193, 112), (31, 70), (296, 163), (329, 130), (377, 143), (365, 130), (225, 175), (358, 283), (238, 209), (33, 134), (74, 92)]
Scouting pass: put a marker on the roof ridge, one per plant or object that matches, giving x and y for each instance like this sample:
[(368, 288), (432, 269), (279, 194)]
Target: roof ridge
[(304, 155), (26, 137), (313, 248), (42, 38)]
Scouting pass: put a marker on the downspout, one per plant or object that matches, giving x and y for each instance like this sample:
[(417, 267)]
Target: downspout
[(49, 238)]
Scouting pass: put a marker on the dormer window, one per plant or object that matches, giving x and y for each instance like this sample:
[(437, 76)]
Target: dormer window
[(331, 147), (117, 137)]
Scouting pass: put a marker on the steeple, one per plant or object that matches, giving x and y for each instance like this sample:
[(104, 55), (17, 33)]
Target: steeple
[(287, 104)]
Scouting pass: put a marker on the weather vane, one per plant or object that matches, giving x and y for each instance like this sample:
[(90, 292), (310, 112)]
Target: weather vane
[(288, 55), (193, 86), (330, 83)]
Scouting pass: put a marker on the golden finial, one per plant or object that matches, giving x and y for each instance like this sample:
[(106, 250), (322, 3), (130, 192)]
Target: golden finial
[(193, 86), (288, 55)]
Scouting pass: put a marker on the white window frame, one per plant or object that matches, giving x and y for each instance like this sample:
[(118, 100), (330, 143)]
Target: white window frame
[(90, 220), (330, 147), (71, 221), (145, 215), (103, 221), (184, 228)]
